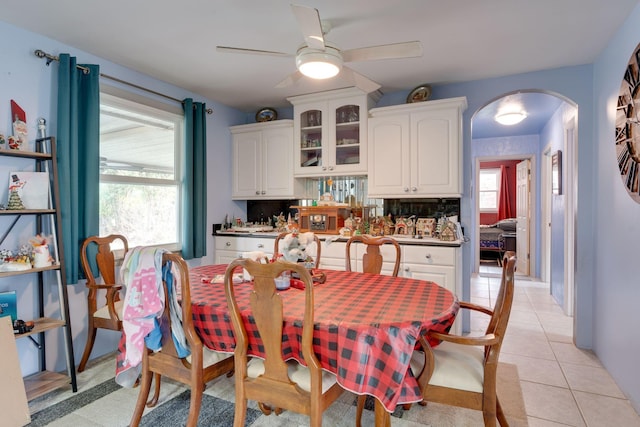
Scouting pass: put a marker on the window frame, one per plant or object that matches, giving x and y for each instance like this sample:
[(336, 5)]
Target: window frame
[(139, 104), (497, 173)]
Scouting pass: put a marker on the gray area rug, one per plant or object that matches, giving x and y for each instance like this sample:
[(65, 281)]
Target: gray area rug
[(214, 412)]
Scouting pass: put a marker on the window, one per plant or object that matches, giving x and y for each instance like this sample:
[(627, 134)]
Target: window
[(489, 190), (139, 172)]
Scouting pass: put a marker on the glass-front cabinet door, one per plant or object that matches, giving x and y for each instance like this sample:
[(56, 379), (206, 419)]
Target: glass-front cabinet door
[(311, 139), (330, 129), (347, 150)]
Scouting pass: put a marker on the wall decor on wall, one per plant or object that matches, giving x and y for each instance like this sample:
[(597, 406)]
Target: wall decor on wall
[(627, 136), (556, 172)]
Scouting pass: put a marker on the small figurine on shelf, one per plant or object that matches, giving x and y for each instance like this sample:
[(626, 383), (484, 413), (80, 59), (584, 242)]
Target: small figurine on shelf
[(389, 226), (14, 142), (401, 226), (19, 126), (292, 226), (3, 142), (15, 202), (41, 255), (280, 223), (411, 225)]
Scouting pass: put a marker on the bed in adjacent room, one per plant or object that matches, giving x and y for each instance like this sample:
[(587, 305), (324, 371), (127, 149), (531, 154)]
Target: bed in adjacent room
[(496, 238)]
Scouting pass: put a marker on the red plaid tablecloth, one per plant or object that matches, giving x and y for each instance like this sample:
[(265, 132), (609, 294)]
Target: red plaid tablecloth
[(366, 326)]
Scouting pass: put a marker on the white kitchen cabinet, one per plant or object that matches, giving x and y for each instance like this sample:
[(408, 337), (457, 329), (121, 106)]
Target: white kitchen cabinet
[(330, 131), (263, 161), (332, 256), (438, 264), (415, 150), (228, 248)]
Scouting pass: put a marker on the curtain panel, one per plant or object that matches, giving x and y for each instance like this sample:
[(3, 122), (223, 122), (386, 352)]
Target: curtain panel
[(194, 202), (504, 202), (78, 144)]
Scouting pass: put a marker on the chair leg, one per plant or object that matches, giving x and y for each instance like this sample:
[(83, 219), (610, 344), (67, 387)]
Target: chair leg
[(360, 409), (156, 391), (240, 412), (194, 405), (91, 338), (143, 395), (502, 419)]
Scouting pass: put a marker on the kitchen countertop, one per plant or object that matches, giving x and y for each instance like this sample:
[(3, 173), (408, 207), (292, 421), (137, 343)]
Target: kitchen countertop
[(405, 240)]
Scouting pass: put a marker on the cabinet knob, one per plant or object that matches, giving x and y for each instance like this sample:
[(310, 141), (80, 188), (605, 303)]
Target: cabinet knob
[(428, 256), (414, 189), (257, 193), (330, 168), (260, 246), (227, 244), (324, 168), (407, 269), (263, 192), (406, 189)]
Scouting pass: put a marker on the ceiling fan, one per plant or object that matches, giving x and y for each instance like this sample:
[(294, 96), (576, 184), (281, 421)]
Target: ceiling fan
[(320, 59)]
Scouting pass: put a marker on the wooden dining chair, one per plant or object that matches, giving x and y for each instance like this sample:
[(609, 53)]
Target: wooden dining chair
[(107, 313), (281, 236), (461, 371), (196, 369), (372, 259), (273, 382)]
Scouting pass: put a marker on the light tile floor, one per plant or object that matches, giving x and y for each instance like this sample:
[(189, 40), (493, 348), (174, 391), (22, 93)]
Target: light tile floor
[(561, 384)]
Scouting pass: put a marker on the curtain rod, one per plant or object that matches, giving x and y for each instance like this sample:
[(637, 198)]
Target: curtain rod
[(85, 70)]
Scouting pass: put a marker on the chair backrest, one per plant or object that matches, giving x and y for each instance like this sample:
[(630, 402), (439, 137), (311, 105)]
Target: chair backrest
[(318, 243), (502, 308), (101, 249), (179, 359), (372, 259), (274, 386), (176, 271)]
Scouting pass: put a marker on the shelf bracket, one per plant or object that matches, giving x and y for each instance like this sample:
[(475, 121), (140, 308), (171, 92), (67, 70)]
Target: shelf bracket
[(36, 343)]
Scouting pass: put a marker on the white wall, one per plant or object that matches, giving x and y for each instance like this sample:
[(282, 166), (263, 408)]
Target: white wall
[(26, 79), (617, 234)]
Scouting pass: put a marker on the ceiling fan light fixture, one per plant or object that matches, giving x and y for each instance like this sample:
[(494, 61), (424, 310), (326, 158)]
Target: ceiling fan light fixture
[(319, 64), (511, 118)]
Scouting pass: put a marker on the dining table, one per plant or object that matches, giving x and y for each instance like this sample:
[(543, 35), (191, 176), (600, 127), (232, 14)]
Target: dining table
[(366, 327)]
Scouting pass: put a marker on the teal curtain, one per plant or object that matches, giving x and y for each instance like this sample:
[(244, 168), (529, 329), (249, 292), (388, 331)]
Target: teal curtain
[(78, 143), (194, 207)]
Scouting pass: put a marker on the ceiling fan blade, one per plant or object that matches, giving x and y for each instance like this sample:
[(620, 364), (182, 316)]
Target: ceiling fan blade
[(227, 49), (358, 80), (309, 22), (290, 80), (388, 51)]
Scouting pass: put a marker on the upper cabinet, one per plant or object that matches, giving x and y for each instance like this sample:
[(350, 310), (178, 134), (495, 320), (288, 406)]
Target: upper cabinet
[(330, 132), (263, 161), (415, 150)]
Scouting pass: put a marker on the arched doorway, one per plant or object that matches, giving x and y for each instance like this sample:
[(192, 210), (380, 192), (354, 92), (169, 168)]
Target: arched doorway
[(549, 226)]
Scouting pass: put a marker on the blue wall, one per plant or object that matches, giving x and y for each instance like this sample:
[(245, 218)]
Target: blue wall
[(616, 236)]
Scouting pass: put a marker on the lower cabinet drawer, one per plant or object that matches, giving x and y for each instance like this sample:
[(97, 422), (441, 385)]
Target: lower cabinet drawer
[(244, 244), (430, 255)]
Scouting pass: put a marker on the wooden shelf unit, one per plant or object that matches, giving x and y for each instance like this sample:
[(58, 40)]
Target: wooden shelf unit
[(45, 381)]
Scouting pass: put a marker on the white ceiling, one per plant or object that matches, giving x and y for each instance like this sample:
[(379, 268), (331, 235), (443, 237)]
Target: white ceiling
[(463, 40)]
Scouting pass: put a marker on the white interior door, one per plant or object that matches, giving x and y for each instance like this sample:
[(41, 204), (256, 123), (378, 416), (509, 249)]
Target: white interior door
[(523, 174)]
